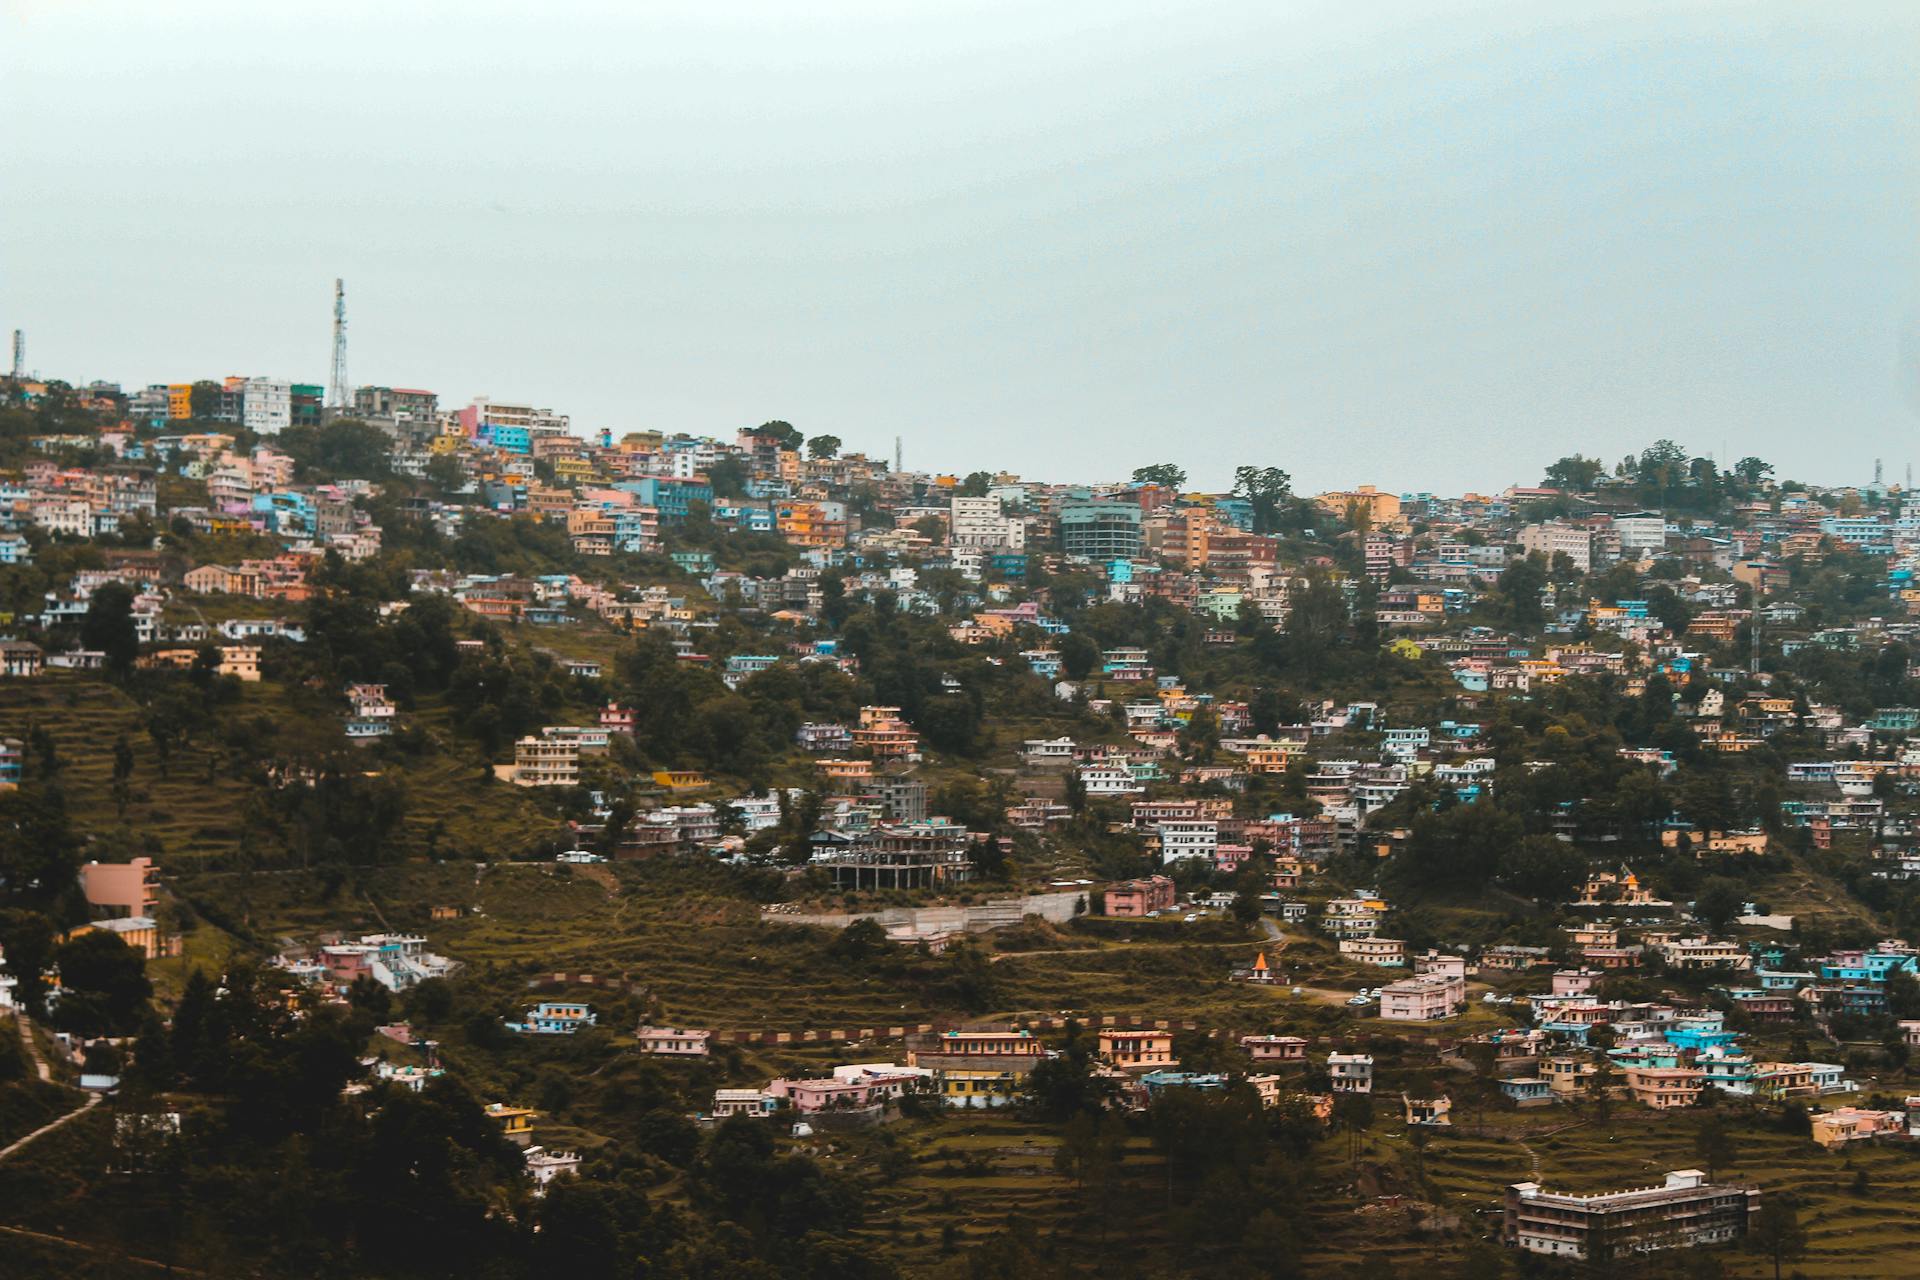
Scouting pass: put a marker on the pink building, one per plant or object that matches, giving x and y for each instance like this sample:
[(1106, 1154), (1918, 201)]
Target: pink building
[(1131, 899), (1275, 1048), (126, 888), (850, 1087), (1573, 982), (1422, 999), (669, 1043)]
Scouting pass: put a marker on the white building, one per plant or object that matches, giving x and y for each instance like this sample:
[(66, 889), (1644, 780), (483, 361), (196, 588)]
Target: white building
[(1640, 531), (1556, 538), (981, 522), (1195, 839), (266, 405), (1350, 1072)]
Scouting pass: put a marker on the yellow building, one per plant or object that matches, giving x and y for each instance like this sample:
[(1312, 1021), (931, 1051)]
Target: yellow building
[(1379, 510), (516, 1123), (180, 400)]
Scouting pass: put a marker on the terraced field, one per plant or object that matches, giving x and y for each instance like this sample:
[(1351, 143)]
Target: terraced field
[(1872, 1231)]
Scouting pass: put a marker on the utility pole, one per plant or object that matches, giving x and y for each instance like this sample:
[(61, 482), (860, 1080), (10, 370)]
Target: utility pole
[(339, 393)]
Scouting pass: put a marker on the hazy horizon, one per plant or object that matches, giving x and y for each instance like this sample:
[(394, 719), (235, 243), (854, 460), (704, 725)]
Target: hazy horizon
[(1428, 247)]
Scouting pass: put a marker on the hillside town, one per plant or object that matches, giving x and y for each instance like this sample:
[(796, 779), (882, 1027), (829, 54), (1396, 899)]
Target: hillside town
[(1123, 815)]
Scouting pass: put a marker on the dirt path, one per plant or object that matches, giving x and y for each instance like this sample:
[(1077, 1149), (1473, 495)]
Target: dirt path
[(172, 1268), (33, 1050), (9, 1151)]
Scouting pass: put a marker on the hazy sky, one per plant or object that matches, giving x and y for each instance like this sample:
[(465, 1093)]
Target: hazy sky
[(1426, 246)]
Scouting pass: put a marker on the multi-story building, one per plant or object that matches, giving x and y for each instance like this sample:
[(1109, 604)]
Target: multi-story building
[(1191, 839), (1350, 1072), (1137, 1050), (1685, 1212), (1641, 531), (266, 405), (982, 522), (1555, 538), (1101, 530), (1422, 998), (128, 888), (542, 761), (399, 404), (1132, 899)]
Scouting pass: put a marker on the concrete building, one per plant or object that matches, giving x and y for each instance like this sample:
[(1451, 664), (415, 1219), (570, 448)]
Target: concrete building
[(1685, 1212), (1350, 1072), (129, 888), (1137, 1050), (266, 405), (1131, 899), (1422, 999), (1101, 530)]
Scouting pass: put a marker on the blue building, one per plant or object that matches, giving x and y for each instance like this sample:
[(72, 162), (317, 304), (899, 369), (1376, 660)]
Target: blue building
[(671, 496), (554, 1018)]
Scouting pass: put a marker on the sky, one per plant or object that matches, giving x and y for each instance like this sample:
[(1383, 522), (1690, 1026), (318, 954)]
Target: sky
[(1430, 247)]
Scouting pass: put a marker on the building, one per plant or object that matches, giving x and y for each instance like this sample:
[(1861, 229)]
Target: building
[(666, 1042), (743, 1102), (1137, 1050), (555, 1018), (516, 1123), (1685, 1212), (1842, 1125), (857, 1086), (1528, 1091), (20, 658), (541, 761), (1666, 1088), (1272, 1049), (1555, 538), (1384, 953), (129, 888), (1195, 839), (1423, 998), (1101, 531), (266, 405), (1132, 899), (1350, 1072), (543, 1166)]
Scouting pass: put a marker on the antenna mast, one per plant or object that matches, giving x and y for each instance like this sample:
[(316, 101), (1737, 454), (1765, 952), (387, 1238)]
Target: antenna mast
[(339, 393), (19, 354), (898, 465)]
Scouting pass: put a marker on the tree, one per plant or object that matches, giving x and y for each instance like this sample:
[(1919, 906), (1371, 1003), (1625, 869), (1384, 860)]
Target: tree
[(1265, 489), (1353, 1115), (823, 447), (1165, 474), (1713, 1144), (1777, 1232), (108, 626), (1575, 473), (1752, 470), (1078, 654), (783, 435), (1522, 585), (1719, 902), (103, 985)]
